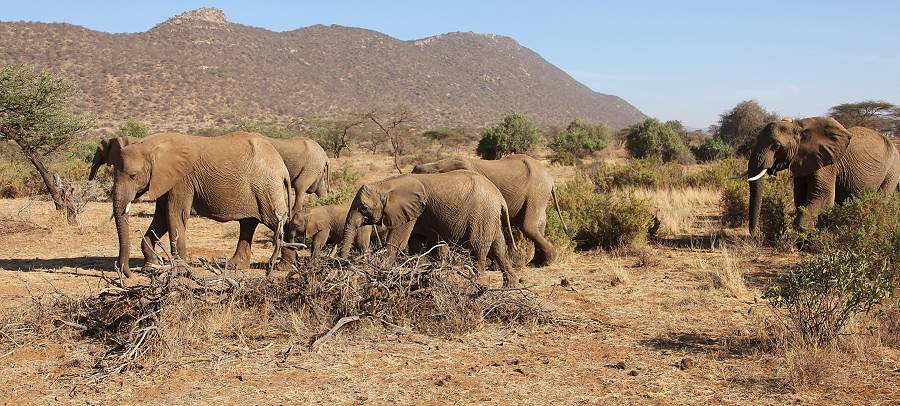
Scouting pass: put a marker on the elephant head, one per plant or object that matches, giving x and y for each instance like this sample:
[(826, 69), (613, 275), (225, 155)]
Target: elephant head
[(444, 165), (391, 202), (107, 153), (298, 226), (150, 169), (803, 146)]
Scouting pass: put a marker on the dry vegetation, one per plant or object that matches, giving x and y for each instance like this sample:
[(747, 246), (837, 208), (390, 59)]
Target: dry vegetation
[(679, 319)]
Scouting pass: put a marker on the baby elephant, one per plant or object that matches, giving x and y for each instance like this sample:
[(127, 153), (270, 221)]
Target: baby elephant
[(325, 224), (460, 207)]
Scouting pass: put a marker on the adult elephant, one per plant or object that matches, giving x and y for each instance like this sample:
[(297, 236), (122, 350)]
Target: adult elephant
[(828, 162), (108, 151), (460, 207), (233, 177), (526, 186)]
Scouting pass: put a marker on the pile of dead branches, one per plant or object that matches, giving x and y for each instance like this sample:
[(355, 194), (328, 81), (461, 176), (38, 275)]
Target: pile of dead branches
[(183, 309)]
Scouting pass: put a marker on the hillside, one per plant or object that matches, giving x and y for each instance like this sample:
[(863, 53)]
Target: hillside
[(197, 68)]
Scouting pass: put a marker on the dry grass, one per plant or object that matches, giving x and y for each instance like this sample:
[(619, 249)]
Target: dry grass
[(618, 274), (680, 210), (723, 273)]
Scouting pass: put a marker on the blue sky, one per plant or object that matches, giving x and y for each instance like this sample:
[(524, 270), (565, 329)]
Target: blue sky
[(687, 60)]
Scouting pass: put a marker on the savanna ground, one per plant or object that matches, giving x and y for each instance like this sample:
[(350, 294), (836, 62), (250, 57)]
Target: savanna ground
[(679, 321)]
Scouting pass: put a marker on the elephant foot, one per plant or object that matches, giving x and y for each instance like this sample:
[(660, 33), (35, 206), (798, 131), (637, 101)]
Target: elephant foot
[(510, 281), (238, 262), (543, 258)]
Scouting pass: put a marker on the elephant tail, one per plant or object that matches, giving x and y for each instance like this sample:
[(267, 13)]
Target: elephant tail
[(507, 226), (559, 212), (327, 175)]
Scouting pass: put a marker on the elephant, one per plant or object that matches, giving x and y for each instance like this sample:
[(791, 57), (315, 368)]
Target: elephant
[(828, 163), (108, 151), (324, 224), (526, 186), (461, 207), (232, 177)]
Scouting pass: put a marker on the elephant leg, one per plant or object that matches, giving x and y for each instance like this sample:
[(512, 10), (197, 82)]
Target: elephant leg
[(397, 240), (364, 238), (318, 242), (533, 227), (241, 257), (157, 230), (178, 211), (820, 196), (500, 257)]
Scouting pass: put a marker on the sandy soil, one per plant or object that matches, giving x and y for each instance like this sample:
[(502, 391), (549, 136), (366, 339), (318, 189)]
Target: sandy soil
[(652, 313)]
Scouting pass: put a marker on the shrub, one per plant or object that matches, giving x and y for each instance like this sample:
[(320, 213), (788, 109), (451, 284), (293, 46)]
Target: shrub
[(866, 222), (823, 293), (514, 135), (713, 149), (342, 188), (739, 126), (776, 213), (715, 175), (735, 203), (650, 173), (604, 220), (133, 128), (653, 138), (579, 140)]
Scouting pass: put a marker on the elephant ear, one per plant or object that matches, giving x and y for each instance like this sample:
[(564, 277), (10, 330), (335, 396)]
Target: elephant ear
[(822, 142), (170, 162), (404, 202)]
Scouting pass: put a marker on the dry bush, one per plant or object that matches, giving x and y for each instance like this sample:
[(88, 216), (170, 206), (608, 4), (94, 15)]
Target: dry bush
[(724, 274), (811, 366), (618, 274), (678, 210), (179, 314)]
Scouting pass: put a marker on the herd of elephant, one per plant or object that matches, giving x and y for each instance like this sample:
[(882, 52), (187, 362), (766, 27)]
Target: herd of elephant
[(248, 178), (474, 203)]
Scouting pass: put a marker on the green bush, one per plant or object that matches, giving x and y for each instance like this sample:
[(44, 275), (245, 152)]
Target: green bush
[(715, 175), (866, 222), (133, 128), (341, 188), (603, 220), (651, 138), (776, 212), (650, 173), (514, 135), (713, 149), (579, 140), (734, 203), (823, 293)]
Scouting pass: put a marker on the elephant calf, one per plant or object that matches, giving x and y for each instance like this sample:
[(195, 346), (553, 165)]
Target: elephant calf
[(460, 207), (325, 224)]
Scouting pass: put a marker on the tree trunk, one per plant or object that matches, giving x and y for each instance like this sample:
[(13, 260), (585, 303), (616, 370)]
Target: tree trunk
[(59, 200)]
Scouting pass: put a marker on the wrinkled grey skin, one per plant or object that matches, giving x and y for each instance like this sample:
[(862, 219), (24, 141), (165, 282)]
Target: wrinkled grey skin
[(526, 186), (325, 224), (828, 163), (307, 165), (460, 207), (233, 177)]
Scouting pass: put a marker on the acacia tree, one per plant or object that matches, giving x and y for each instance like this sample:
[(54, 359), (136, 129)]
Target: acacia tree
[(878, 115), (394, 124), (335, 136), (33, 115)]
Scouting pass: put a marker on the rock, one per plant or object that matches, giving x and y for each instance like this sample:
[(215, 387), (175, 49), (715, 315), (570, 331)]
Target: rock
[(620, 365), (564, 283), (633, 372), (685, 363)]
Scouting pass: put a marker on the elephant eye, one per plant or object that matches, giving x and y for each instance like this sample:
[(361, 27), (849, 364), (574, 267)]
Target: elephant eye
[(132, 175)]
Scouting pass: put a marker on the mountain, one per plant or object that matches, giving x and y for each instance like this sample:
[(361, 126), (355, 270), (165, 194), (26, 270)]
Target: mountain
[(198, 68)]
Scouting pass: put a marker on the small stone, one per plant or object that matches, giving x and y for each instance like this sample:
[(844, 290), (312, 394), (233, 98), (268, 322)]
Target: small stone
[(685, 363), (633, 372), (564, 283), (620, 365)]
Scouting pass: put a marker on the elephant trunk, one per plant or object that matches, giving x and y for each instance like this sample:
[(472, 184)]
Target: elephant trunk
[(351, 226), (94, 167), (756, 192), (757, 169), (121, 204)]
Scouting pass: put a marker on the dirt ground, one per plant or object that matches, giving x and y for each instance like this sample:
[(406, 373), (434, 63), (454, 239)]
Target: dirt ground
[(636, 328)]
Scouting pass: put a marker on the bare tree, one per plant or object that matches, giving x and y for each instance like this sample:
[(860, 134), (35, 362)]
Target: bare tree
[(394, 124), (335, 136), (33, 115)]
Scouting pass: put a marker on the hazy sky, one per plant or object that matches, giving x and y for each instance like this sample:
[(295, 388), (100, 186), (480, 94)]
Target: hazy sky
[(687, 60)]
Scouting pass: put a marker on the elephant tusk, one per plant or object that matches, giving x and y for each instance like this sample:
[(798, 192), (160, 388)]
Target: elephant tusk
[(127, 207), (761, 174)]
